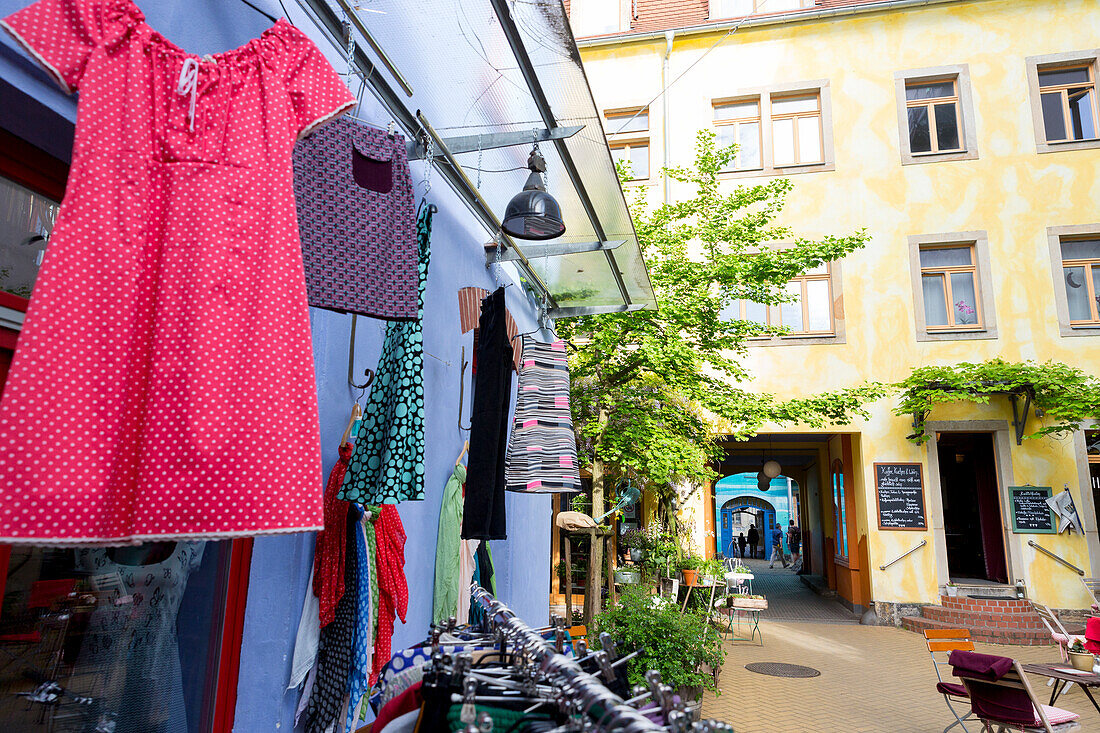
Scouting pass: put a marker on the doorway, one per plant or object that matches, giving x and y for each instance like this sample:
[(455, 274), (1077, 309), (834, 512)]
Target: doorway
[(971, 507)]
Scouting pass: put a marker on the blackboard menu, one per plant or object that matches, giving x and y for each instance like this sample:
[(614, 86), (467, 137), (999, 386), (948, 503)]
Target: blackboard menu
[(1030, 512), (900, 491)]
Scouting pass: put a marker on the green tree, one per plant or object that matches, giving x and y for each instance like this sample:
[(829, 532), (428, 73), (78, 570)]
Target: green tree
[(649, 386)]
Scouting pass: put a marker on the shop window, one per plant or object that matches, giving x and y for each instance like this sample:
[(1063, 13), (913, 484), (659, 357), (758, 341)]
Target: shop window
[(840, 510), (738, 122), (1064, 100), (1081, 277), (952, 286), (99, 638), (628, 137), (949, 285)]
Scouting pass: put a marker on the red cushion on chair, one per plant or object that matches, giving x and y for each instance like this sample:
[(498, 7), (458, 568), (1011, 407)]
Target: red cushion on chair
[(1057, 716), (950, 688)]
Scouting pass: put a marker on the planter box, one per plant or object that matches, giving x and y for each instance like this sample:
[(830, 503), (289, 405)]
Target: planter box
[(628, 576), (748, 604)]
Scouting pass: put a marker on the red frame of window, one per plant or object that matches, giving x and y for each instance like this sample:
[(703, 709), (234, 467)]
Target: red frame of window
[(37, 170)]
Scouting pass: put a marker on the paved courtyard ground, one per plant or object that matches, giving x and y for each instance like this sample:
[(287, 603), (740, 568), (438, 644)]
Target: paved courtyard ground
[(872, 679)]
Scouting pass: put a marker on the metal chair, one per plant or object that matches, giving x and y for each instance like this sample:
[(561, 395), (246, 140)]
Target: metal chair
[(942, 641), (1009, 703)]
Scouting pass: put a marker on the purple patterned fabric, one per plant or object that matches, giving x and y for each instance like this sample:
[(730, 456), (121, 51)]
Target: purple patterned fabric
[(357, 221)]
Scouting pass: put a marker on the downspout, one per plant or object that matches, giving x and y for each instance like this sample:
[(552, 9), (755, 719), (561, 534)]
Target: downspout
[(670, 36)]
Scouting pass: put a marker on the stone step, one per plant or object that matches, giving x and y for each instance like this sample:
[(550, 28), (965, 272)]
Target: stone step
[(992, 635), (966, 618), (999, 605), (999, 591)]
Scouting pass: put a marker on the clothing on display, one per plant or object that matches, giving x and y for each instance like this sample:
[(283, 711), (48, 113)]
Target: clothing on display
[(467, 562), (393, 589), (448, 548), (542, 449), (469, 312), (331, 551), (307, 638), (364, 641), (387, 465), (483, 514), (172, 284), (355, 213), (129, 660)]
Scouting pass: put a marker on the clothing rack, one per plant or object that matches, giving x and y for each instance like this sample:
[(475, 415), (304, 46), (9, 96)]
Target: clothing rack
[(603, 709)]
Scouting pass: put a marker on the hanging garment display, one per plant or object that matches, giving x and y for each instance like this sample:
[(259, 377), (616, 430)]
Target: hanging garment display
[(364, 642), (335, 651), (172, 286), (330, 552), (542, 450), (387, 465), (469, 312), (393, 589), (483, 515), (355, 213), (466, 564), (370, 517), (448, 548), (307, 638)]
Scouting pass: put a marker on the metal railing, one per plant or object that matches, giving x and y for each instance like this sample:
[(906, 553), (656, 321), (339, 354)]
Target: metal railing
[(904, 555), (1060, 559)]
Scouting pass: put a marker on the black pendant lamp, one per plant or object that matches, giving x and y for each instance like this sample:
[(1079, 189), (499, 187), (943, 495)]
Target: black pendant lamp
[(532, 213)]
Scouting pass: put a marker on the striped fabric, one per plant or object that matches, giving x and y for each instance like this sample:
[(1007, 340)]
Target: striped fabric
[(542, 451), (469, 311)]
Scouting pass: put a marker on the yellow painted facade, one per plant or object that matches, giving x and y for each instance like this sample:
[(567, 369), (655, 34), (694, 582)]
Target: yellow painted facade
[(1011, 192)]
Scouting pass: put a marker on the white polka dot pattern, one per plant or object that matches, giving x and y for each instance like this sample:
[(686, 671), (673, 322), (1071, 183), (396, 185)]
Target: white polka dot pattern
[(163, 386)]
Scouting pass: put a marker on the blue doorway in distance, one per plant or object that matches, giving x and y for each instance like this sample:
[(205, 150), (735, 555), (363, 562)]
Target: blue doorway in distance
[(739, 502)]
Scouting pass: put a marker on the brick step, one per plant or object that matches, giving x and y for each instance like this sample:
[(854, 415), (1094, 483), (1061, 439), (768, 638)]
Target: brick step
[(966, 619), (1015, 637), (1000, 605)]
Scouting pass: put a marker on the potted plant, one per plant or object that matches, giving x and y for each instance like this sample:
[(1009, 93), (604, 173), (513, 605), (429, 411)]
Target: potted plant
[(634, 541), (689, 568), (951, 589), (686, 650), (1079, 657), (711, 570), (739, 574)]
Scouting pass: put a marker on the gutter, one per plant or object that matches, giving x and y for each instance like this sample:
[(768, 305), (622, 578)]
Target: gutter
[(670, 36), (798, 16)]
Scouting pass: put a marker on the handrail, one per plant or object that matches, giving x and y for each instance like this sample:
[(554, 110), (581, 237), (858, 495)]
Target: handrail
[(904, 555), (1062, 560)]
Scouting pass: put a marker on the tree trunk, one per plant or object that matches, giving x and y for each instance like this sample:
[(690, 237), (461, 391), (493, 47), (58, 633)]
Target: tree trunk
[(594, 588)]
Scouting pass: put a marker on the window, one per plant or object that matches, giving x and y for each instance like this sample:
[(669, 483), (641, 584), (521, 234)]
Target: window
[(1081, 275), (935, 114), (628, 138), (796, 130), (738, 8), (739, 122), (26, 221), (1068, 99), (949, 281), (952, 286), (596, 17), (780, 130), (840, 510), (1064, 103), (810, 314)]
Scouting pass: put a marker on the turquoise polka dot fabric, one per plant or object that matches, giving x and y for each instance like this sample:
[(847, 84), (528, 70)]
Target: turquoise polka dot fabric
[(387, 466)]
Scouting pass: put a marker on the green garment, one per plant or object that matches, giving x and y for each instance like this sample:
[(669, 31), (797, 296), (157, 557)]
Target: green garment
[(448, 545), (503, 718), (370, 513)]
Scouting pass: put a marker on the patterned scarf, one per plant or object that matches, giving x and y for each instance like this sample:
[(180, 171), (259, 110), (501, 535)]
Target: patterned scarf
[(393, 589)]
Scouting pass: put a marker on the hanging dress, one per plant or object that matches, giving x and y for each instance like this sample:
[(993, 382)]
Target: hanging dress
[(387, 466), (166, 358)]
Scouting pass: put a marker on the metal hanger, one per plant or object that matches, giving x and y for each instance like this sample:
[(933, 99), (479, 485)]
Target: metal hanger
[(261, 11)]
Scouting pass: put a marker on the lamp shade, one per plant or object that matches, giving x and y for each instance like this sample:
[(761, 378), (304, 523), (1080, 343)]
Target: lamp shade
[(532, 213), (772, 469), (763, 483)]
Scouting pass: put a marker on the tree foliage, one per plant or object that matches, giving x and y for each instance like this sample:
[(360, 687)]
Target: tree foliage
[(648, 386), (1066, 396)]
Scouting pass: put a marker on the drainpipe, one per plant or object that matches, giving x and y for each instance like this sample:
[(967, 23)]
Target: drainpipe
[(670, 36)]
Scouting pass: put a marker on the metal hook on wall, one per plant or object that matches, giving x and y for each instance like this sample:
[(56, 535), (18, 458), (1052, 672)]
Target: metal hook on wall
[(462, 390), (368, 373)]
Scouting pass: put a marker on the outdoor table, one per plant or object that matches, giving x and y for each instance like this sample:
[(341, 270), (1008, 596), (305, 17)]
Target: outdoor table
[(1063, 674)]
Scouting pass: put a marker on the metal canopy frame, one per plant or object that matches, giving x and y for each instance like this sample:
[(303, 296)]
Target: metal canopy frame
[(421, 131)]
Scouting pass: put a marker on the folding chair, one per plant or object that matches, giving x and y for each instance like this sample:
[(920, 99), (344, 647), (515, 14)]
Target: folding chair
[(948, 640), (1093, 587), (1008, 703), (1057, 632)]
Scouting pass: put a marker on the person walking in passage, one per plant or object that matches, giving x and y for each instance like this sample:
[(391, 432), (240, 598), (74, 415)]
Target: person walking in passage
[(741, 542), (794, 542), (777, 547), (754, 539)]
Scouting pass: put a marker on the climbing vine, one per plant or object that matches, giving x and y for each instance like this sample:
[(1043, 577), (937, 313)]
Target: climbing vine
[(1063, 397)]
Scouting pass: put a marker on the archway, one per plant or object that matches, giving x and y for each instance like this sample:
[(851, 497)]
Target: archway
[(735, 517)]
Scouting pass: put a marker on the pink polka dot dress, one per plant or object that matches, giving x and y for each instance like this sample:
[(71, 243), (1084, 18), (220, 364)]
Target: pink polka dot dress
[(163, 386)]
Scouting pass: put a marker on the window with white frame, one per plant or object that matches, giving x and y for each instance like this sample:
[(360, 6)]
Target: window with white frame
[(796, 130), (738, 122), (628, 137), (596, 17)]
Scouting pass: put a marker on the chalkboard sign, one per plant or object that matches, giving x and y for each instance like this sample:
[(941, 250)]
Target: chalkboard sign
[(1030, 512), (900, 491)]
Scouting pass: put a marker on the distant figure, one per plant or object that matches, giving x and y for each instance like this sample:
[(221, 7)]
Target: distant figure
[(741, 542), (754, 539), (794, 542), (777, 547)]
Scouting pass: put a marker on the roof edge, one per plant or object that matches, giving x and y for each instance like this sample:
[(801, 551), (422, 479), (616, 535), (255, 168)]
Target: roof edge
[(796, 16)]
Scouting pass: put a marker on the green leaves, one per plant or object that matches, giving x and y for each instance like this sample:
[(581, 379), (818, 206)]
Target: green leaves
[(1067, 396)]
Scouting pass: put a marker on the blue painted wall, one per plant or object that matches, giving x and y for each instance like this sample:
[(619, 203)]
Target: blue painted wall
[(744, 486), (36, 110)]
